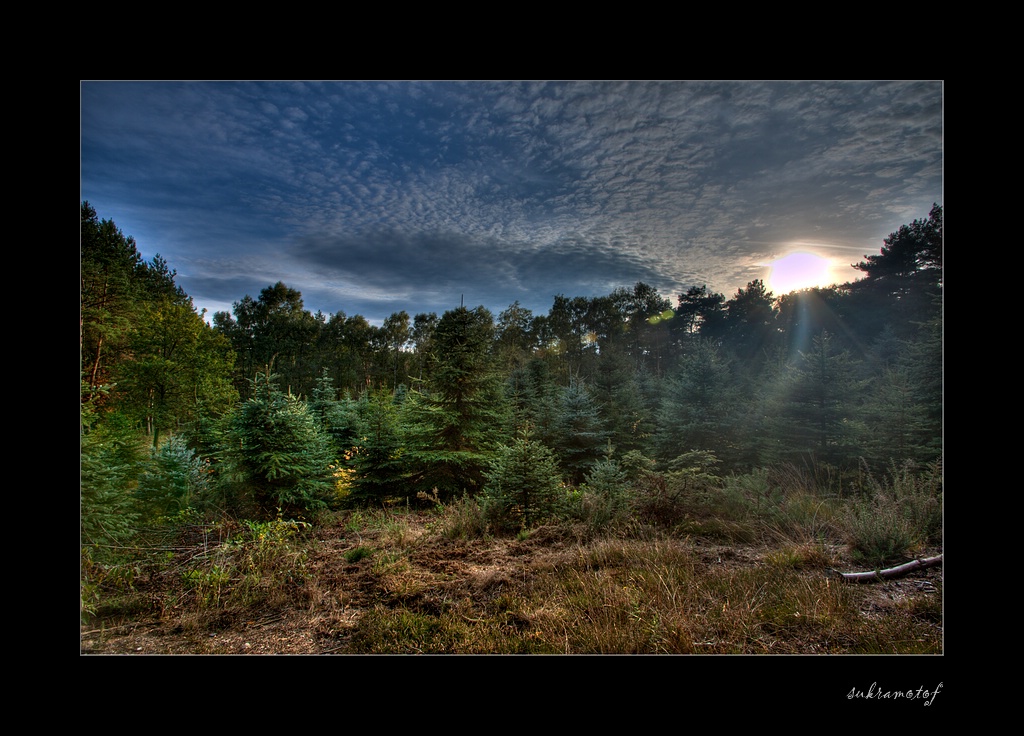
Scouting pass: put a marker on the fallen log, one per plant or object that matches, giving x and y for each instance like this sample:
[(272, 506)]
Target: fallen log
[(892, 572)]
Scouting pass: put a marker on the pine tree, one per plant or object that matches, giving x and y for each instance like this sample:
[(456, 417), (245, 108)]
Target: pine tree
[(902, 407), (750, 325), (894, 422), (622, 408), (110, 292), (902, 286), (534, 397)]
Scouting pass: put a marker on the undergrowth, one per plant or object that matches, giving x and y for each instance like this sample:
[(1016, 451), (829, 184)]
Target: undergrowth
[(684, 564)]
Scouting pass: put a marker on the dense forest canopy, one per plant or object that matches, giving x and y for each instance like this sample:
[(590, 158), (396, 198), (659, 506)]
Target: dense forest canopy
[(282, 408)]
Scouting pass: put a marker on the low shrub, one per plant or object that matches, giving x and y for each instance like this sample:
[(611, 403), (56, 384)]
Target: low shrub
[(902, 514), (358, 553), (462, 519)]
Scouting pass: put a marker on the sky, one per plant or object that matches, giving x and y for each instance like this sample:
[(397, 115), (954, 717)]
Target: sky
[(371, 197)]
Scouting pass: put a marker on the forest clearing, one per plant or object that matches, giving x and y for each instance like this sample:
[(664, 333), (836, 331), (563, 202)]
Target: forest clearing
[(620, 476), (423, 582)]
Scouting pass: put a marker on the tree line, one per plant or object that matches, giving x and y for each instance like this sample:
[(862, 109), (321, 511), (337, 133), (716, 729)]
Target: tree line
[(273, 407)]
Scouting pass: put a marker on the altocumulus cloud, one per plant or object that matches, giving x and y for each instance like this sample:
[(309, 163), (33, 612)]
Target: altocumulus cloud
[(372, 197), (440, 267)]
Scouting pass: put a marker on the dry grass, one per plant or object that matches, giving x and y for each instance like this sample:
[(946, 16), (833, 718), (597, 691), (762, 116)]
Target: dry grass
[(437, 582)]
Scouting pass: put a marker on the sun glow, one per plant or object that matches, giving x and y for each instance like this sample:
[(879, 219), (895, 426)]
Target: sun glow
[(798, 271)]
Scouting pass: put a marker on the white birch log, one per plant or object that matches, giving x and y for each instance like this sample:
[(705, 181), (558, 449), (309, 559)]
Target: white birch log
[(892, 572)]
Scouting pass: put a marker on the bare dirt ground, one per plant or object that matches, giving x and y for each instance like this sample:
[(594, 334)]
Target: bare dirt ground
[(338, 592)]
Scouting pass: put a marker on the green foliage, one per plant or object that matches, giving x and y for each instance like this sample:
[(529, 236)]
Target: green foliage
[(278, 455), (523, 484), (821, 400), (605, 495), (534, 397), (392, 338), (750, 324), (902, 412), (579, 436), (900, 514), (180, 369), (782, 503), (820, 378), (454, 422), (176, 479), (109, 264), (110, 457), (463, 518), (750, 493), (689, 486), (163, 366), (902, 287), (111, 454), (514, 337), (692, 475), (636, 465), (358, 553), (273, 330), (879, 532), (699, 311), (262, 564), (109, 584), (622, 405), (906, 253), (206, 585), (339, 417), (698, 409), (378, 454)]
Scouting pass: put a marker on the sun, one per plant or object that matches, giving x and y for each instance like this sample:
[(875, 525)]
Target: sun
[(798, 271)]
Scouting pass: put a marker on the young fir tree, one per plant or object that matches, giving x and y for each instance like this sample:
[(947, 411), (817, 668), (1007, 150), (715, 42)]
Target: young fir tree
[(523, 485), (902, 406), (454, 422), (176, 479), (110, 461), (622, 408), (279, 456), (605, 496), (696, 412), (534, 397), (579, 437), (894, 426), (338, 417), (377, 459), (817, 404)]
